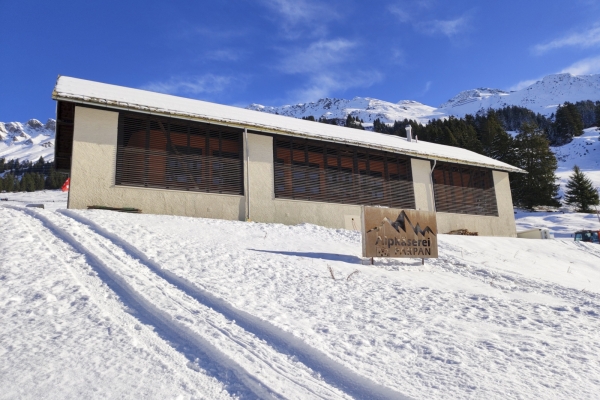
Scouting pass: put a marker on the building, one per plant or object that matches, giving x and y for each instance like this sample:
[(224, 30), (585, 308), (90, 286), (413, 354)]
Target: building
[(164, 154)]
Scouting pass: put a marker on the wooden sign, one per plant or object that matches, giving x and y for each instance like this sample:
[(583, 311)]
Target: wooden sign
[(388, 232)]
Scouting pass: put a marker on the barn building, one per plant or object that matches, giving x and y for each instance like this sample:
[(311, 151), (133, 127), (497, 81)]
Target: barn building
[(163, 154)]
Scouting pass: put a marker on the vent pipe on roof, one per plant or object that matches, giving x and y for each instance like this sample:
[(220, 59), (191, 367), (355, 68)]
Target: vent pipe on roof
[(408, 133)]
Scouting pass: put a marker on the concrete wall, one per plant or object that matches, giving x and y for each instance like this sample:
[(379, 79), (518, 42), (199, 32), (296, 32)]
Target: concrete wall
[(93, 183), (421, 171), (93, 177)]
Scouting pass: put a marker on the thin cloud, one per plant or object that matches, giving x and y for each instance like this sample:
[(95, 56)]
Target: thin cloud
[(317, 56), (587, 39), (397, 56), (448, 28), (586, 66), (296, 17), (401, 13), (413, 12), (523, 84), (205, 84), (326, 66), (324, 84), (426, 88), (223, 55)]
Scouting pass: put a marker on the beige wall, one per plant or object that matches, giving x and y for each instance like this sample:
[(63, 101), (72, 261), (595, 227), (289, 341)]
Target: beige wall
[(93, 183), (421, 171), (93, 177)]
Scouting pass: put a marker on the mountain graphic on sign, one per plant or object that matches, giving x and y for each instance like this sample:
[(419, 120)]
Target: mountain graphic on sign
[(401, 223)]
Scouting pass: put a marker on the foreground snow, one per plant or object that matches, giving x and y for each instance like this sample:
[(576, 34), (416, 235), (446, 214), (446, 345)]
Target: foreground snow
[(101, 304)]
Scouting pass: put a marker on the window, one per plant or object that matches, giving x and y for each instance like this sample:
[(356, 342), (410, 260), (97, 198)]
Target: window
[(319, 171), (464, 189), (176, 154)]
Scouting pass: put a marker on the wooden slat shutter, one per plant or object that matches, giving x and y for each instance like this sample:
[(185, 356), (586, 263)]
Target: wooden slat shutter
[(175, 154), (327, 172), (463, 189)]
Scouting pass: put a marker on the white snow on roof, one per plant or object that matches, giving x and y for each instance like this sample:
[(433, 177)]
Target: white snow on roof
[(112, 96)]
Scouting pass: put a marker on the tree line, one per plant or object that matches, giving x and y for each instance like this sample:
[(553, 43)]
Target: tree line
[(27, 176)]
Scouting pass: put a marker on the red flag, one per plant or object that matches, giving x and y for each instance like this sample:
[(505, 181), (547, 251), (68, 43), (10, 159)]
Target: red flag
[(65, 186)]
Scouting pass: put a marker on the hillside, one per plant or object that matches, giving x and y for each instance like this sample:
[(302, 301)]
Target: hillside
[(27, 141), (583, 151), (366, 109), (103, 304), (541, 97)]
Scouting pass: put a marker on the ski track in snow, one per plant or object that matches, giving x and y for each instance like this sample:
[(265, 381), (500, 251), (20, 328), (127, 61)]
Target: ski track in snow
[(161, 296), (59, 353)]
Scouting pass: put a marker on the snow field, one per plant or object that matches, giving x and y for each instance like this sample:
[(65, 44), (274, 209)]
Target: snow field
[(491, 318), (255, 370), (64, 333)]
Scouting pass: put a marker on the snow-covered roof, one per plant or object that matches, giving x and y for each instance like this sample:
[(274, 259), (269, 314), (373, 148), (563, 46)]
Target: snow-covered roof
[(124, 98)]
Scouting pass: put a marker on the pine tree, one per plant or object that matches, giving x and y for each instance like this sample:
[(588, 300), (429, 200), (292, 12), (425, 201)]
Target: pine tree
[(532, 153), (352, 122), (581, 192), (568, 123)]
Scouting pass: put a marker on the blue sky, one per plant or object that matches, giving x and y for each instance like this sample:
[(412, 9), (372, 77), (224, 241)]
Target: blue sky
[(277, 52)]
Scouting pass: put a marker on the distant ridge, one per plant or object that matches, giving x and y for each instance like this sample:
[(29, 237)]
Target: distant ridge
[(541, 97)]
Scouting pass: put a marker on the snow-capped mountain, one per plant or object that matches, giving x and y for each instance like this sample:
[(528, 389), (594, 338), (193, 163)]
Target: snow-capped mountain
[(541, 97), (472, 95), (27, 141), (365, 108)]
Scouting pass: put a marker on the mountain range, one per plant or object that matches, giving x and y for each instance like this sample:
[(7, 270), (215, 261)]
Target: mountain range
[(543, 97), (27, 141)]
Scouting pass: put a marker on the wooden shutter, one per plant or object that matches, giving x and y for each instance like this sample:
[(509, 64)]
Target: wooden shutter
[(463, 189), (328, 172), (175, 154)]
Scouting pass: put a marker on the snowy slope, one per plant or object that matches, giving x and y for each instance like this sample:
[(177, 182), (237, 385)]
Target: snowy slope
[(365, 108), (161, 306), (583, 151), (541, 97), (27, 141)]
